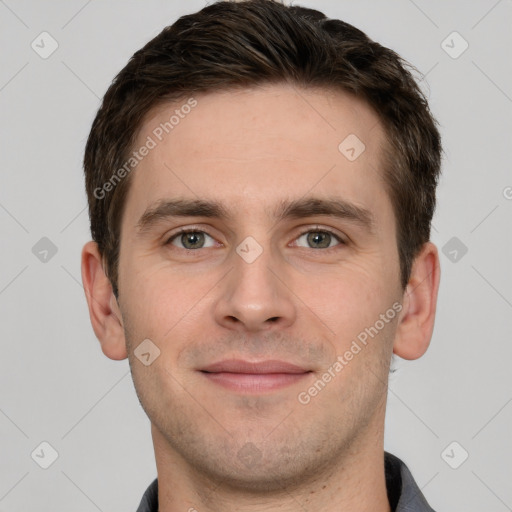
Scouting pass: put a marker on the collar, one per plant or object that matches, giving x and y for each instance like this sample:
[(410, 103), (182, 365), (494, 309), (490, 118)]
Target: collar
[(403, 493)]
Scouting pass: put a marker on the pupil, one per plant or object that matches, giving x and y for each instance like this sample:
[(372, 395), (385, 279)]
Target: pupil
[(192, 239), (319, 239)]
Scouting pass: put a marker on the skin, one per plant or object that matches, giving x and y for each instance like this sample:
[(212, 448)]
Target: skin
[(296, 302)]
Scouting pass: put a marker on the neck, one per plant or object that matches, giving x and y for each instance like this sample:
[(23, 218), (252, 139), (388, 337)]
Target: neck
[(353, 480)]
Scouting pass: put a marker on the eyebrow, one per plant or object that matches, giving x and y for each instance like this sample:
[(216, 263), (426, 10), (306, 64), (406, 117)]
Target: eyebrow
[(286, 209)]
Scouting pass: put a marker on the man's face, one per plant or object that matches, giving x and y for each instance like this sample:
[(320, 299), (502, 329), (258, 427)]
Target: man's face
[(273, 278)]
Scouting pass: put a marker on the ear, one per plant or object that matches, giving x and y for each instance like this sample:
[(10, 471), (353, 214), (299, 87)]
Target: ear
[(416, 321), (106, 318)]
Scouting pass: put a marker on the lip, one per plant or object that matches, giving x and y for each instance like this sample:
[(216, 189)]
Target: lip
[(262, 367), (254, 377)]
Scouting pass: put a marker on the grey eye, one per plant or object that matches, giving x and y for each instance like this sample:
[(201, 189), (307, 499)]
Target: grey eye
[(318, 239), (191, 240)]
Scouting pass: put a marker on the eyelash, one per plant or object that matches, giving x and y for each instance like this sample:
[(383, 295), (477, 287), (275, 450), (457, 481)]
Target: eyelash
[(317, 230)]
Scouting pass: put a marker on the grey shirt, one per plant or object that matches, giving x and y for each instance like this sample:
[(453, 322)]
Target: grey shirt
[(404, 494)]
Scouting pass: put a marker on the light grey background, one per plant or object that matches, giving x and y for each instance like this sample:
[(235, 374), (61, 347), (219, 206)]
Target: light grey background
[(56, 384)]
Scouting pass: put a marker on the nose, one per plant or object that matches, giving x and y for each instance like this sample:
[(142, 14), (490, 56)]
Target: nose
[(255, 296)]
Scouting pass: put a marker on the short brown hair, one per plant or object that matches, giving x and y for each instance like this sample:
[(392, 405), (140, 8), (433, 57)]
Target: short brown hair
[(230, 45)]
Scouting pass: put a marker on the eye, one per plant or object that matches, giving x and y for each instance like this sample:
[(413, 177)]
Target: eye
[(191, 239), (319, 239)]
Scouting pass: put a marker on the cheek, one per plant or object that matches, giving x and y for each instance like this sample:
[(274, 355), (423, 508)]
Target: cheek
[(350, 303), (157, 298), (356, 290)]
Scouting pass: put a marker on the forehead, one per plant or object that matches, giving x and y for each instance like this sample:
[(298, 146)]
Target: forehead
[(251, 147), (273, 114)]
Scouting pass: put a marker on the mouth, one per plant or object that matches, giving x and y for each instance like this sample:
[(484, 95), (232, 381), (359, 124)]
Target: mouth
[(254, 377)]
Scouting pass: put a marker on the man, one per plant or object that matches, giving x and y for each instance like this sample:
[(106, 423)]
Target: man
[(261, 183)]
